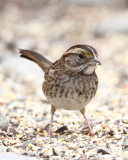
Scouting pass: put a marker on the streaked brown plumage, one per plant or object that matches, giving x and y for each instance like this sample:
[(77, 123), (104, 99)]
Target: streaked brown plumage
[(70, 82)]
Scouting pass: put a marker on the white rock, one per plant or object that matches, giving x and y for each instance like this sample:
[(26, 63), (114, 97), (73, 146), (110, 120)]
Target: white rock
[(3, 122)]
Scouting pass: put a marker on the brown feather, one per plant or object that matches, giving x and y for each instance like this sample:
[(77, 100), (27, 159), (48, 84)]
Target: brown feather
[(37, 58)]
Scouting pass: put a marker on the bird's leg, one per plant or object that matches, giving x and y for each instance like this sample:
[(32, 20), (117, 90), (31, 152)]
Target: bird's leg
[(52, 114), (86, 121)]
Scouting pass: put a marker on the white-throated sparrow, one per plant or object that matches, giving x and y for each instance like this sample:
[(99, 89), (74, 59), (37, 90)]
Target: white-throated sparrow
[(70, 82)]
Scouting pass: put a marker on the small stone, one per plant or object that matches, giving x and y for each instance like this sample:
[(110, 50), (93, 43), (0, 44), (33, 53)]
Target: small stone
[(24, 145), (62, 129), (12, 130), (54, 152), (103, 151), (118, 137), (111, 133), (45, 128), (125, 146), (3, 122), (74, 135), (124, 131), (125, 121)]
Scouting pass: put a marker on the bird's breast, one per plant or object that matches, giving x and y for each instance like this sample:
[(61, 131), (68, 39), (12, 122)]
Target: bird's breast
[(70, 92)]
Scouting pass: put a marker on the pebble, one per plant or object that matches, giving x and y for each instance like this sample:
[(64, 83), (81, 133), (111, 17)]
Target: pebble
[(125, 146), (3, 122), (26, 143), (54, 152), (125, 120), (111, 133), (74, 135), (62, 129), (117, 136), (103, 151)]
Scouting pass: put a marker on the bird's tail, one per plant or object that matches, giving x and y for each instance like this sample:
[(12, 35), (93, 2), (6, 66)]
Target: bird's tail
[(37, 58)]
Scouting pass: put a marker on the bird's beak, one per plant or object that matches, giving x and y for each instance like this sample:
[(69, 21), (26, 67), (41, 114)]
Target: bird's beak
[(95, 59)]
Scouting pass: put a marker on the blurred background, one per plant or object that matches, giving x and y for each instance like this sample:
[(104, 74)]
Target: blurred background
[(50, 27)]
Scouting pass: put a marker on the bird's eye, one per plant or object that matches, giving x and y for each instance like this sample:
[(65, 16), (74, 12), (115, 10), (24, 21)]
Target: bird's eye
[(81, 56)]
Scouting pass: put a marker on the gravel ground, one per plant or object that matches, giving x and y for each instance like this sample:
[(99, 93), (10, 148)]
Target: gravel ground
[(25, 113)]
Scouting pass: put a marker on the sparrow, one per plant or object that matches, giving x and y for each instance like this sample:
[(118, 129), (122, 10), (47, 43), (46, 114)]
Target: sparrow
[(71, 81)]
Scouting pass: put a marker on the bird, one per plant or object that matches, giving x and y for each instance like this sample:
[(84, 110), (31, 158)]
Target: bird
[(71, 81)]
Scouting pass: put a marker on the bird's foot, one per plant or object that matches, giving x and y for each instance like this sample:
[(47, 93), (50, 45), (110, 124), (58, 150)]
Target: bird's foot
[(91, 133)]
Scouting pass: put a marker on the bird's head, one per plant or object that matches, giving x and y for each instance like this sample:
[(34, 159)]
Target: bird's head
[(81, 58)]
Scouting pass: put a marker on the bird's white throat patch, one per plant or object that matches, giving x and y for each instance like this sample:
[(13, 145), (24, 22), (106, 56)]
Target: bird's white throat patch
[(90, 69)]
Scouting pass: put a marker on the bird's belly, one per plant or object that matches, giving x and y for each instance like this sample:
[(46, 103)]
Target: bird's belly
[(70, 101), (67, 104)]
